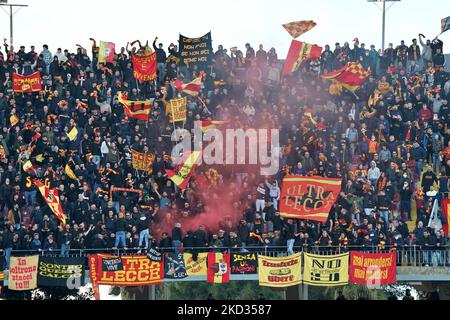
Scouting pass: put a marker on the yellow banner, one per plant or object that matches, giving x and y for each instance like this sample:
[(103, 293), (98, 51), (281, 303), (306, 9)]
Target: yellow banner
[(326, 271), (72, 135), (142, 161), (23, 273), (177, 109), (195, 268), (279, 272)]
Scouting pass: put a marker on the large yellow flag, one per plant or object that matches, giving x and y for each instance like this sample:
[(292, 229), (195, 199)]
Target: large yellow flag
[(326, 271), (279, 272), (183, 175), (70, 173), (72, 135)]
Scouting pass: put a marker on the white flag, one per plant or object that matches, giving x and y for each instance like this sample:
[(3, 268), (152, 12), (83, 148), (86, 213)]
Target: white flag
[(434, 218)]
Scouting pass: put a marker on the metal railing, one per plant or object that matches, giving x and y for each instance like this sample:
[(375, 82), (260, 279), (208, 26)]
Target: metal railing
[(415, 256)]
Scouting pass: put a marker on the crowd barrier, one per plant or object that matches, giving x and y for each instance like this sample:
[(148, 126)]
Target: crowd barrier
[(414, 256)]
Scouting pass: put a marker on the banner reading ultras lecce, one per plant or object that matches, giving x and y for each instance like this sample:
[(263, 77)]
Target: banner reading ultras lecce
[(323, 270), (196, 51), (373, 268), (308, 198), (279, 272), (126, 271), (27, 84)]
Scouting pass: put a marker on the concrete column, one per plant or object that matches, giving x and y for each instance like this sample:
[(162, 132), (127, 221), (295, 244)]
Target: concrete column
[(299, 292)]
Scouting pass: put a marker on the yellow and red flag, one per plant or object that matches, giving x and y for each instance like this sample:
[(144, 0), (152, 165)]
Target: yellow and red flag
[(51, 196), (351, 76), (13, 119), (218, 268), (29, 167), (308, 114), (142, 161), (297, 28), (106, 52), (373, 99), (135, 109), (183, 175), (308, 198), (192, 88), (300, 52), (27, 84), (209, 124)]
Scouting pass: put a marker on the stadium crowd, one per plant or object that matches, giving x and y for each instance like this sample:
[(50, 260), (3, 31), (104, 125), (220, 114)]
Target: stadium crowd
[(393, 154)]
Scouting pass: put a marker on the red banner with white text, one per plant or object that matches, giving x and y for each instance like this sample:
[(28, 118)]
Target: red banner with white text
[(27, 84), (373, 268), (308, 198), (145, 67)]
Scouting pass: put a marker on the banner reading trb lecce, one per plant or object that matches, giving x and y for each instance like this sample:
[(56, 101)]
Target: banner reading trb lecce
[(308, 198), (326, 271), (373, 269), (279, 272), (126, 271), (23, 273), (196, 51)]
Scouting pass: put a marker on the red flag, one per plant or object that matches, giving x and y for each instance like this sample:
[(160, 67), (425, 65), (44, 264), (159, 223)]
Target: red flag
[(27, 84), (145, 67), (373, 268), (300, 52), (218, 267), (446, 211), (94, 273), (308, 198), (351, 76)]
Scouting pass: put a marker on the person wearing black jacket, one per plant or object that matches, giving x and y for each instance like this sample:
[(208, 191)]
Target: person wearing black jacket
[(142, 226), (161, 58), (63, 239), (166, 241), (120, 229), (8, 244), (201, 240), (428, 179), (177, 237), (290, 236)]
